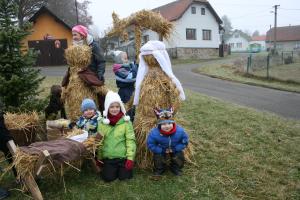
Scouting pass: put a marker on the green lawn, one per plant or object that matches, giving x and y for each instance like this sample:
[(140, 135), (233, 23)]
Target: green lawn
[(226, 71), (239, 154)]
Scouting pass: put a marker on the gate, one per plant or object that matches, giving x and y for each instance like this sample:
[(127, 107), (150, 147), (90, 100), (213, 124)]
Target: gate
[(50, 52)]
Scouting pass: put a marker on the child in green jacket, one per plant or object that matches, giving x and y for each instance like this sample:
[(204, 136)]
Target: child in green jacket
[(118, 148)]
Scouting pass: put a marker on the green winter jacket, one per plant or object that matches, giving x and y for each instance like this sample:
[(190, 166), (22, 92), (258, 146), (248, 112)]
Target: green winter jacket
[(118, 140)]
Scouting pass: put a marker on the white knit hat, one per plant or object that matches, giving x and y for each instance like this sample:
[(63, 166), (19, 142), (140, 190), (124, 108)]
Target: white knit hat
[(112, 97)]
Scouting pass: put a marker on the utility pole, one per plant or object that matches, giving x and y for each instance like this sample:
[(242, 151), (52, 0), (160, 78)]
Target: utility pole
[(77, 20), (275, 27)]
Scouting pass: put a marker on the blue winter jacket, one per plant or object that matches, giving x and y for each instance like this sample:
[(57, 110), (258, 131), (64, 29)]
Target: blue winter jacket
[(158, 143)]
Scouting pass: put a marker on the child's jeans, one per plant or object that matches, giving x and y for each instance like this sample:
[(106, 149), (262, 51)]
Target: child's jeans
[(176, 163)]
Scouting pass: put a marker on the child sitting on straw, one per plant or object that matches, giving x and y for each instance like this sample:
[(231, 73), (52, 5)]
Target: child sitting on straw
[(167, 138), (118, 146), (125, 73), (88, 121)]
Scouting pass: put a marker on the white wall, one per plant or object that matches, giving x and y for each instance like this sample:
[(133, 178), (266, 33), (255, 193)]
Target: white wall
[(235, 40), (198, 22)]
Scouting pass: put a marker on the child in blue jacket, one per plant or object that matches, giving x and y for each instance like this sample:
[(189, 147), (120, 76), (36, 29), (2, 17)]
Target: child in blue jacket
[(167, 138)]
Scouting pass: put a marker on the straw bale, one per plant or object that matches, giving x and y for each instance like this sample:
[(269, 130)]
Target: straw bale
[(21, 120)]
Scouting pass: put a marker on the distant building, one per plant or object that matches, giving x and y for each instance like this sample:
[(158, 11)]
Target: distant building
[(287, 38), (50, 36), (257, 43), (238, 42)]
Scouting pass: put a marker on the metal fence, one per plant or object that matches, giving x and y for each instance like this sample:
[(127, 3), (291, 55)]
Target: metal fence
[(262, 64)]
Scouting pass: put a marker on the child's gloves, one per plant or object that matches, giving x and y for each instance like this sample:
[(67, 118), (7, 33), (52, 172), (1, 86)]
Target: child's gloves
[(99, 163), (129, 164), (98, 137)]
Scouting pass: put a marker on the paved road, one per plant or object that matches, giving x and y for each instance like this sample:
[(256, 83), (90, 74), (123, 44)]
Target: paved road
[(286, 104)]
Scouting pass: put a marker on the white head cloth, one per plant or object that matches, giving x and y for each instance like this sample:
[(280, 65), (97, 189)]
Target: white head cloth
[(158, 50)]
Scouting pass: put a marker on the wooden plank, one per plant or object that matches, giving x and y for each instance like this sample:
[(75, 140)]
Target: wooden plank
[(44, 156)]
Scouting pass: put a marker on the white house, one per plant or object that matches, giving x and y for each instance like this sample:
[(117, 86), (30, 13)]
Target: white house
[(196, 29), (238, 42)]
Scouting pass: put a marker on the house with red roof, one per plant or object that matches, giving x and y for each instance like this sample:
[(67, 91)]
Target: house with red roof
[(287, 38), (258, 43), (196, 32)]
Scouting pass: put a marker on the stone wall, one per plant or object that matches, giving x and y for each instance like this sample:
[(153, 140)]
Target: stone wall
[(194, 53)]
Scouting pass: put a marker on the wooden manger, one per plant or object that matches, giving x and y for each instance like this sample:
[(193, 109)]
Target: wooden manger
[(30, 166)]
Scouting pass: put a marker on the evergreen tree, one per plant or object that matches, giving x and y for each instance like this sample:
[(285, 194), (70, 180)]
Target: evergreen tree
[(19, 81)]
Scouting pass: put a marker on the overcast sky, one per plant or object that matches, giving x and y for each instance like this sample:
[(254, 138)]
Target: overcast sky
[(245, 15)]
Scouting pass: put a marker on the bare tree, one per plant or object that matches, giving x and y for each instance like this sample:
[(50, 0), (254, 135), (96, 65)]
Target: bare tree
[(227, 27), (64, 9), (26, 8), (255, 33)]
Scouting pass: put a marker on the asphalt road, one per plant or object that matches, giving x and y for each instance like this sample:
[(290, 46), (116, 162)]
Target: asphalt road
[(286, 104)]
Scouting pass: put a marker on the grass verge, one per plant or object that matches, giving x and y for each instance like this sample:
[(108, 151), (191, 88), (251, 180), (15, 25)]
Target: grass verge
[(239, 154), (218, 70)]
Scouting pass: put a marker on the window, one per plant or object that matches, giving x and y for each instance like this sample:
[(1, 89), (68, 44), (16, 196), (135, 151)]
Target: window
[(145, 38), (193, 10), (202, 11), (191, 34), (206, 34), (239, 45)]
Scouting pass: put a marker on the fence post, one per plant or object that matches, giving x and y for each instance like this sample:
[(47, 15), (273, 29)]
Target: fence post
[(268, 64), (248, 63), (292, 56), (282, 58)]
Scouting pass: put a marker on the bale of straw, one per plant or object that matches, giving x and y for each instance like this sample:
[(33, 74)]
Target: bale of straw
[(157, 90), (22, 126), (78, 57)]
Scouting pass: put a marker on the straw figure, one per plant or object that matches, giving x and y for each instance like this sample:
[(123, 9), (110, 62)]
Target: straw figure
[(156, 87), (78, 58), (138, 21)]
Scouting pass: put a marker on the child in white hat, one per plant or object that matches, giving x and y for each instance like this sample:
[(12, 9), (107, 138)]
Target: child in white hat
[(118, 150)]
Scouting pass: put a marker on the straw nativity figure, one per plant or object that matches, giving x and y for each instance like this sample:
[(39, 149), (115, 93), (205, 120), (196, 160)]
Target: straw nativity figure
[(81, 82), (156, 87)]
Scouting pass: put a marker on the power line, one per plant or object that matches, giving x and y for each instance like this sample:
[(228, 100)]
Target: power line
[(289, 9)]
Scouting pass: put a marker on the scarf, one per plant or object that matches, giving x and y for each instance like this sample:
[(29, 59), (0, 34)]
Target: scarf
[(113, 119), (167, 133)]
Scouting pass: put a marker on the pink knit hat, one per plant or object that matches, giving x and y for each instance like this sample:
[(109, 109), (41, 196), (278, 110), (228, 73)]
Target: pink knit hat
[(82, 30)]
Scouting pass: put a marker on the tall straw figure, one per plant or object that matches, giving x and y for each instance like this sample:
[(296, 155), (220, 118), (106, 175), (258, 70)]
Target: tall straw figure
[(156, 86)]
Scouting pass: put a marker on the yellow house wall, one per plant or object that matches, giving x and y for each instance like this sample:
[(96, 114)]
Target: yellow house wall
[(44, 24)]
